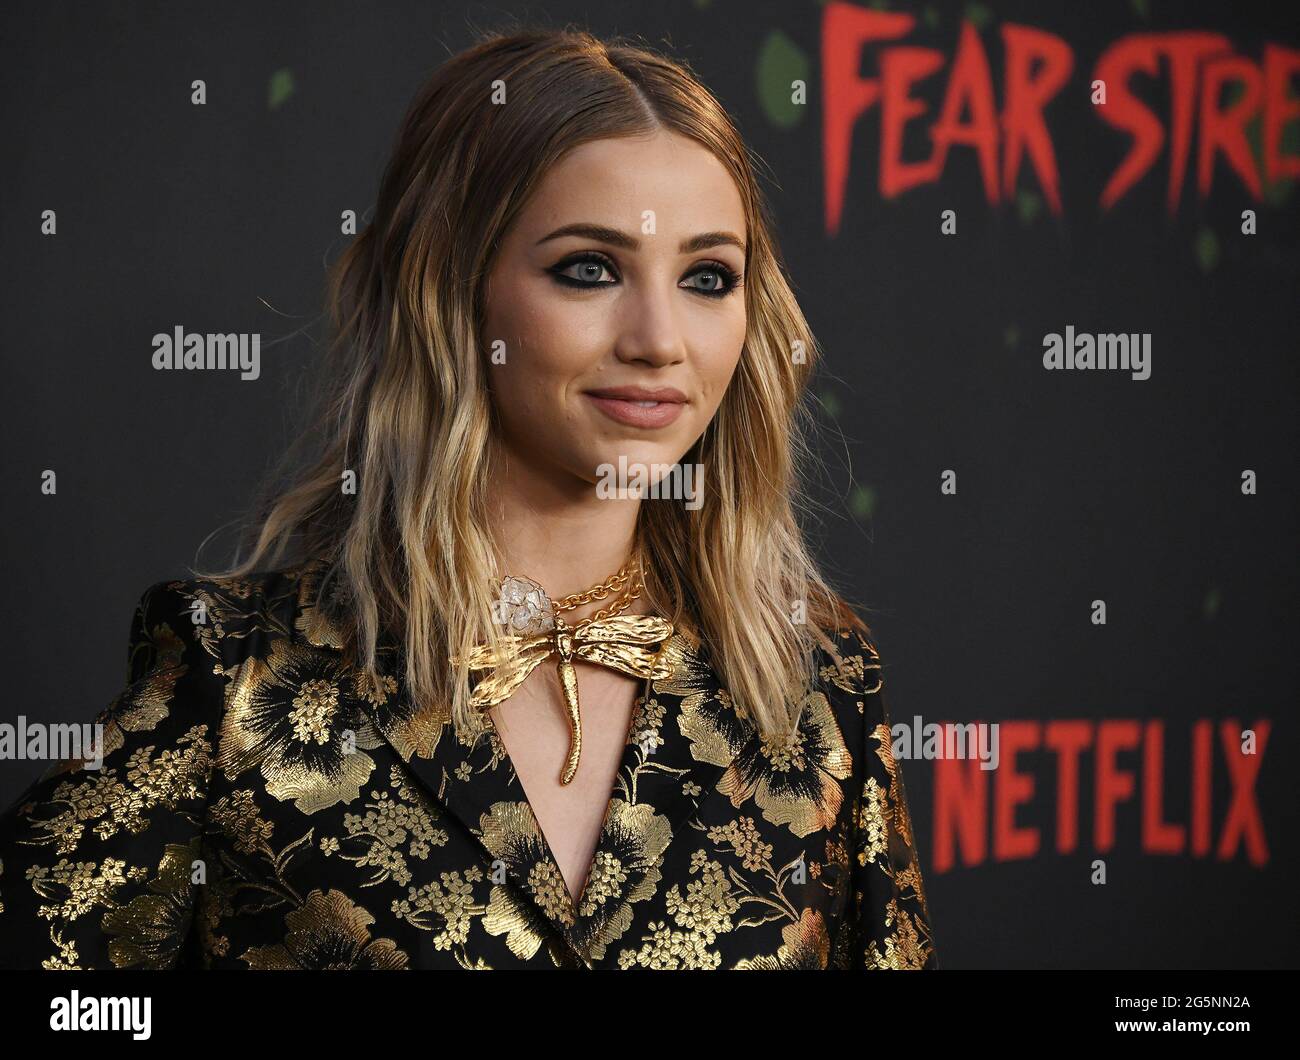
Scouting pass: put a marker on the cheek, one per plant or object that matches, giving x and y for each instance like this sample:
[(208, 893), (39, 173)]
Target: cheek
[(544, 333), (721, 340)]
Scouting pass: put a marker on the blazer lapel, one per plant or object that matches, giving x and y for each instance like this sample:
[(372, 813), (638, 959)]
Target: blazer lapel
[(667, 768), (662, 778)]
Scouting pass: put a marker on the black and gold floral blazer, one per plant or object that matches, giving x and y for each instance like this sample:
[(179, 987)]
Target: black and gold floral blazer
[(261, 804)]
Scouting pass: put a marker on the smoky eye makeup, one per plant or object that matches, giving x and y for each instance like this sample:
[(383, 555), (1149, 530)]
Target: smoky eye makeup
[(726, 276), (588, 266), (585, 270)]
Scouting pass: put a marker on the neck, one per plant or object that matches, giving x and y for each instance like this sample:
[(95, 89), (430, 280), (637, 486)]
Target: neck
[(552, 527)]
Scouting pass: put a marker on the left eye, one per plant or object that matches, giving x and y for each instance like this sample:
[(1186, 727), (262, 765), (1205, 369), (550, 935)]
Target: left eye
[(715, 280), (588, 272)]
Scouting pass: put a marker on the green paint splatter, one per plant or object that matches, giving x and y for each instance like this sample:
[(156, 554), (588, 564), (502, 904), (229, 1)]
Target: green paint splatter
[(1210, 608), (1276, 192), (1011, 336), (1142, 9), (1207, 249), (931, 17), (863, 502), (1027, 206), (830, 403), (978, 15), (780, 63), (280, 88)]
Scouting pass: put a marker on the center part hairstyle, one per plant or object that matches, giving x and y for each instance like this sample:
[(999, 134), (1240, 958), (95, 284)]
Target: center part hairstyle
[(405, 402)]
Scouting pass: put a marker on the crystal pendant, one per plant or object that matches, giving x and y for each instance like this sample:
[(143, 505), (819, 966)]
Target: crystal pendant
[(524, 608)]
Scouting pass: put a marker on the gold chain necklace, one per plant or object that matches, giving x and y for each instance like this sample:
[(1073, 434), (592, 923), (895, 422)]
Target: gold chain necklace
[(608, 638), (597, 592), (623, 582)]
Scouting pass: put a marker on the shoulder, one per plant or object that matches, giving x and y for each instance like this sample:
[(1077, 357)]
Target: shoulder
[(226, 618), (851, 661), (849, 677)]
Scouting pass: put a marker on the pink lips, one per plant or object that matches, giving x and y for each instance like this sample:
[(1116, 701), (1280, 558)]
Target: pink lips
[(640, 406)]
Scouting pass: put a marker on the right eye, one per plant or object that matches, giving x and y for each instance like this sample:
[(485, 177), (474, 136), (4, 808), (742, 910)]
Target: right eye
[(584, 270)]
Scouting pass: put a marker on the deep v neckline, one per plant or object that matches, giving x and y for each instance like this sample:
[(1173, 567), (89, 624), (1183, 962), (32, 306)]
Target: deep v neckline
[(686, 738), (575, 904)]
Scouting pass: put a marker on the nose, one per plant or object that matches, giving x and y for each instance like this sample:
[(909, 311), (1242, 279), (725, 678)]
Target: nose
[(650, 330)]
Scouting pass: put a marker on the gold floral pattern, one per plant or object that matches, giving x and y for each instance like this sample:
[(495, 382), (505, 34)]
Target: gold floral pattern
[(263, 803), (330, 932), (805, 945), (393, 828), (795, 781), (117, 800), (289, 715), (150, 929)]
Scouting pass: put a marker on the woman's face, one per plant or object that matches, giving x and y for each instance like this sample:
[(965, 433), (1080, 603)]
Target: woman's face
[(623, 271)]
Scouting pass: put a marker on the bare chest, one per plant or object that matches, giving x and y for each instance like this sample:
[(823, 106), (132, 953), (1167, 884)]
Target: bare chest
[(533, 728)]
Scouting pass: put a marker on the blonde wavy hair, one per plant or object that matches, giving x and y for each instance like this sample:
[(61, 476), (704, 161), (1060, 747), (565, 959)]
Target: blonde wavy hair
[(406, 405)]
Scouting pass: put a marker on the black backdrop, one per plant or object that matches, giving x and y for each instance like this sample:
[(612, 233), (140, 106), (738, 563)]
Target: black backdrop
[(1072, 486)]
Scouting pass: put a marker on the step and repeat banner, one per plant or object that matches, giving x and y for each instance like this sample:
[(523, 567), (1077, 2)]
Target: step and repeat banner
[(1050, 250)]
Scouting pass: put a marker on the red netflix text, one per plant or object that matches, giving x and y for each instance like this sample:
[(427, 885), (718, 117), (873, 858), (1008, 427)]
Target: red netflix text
[(975, 809)]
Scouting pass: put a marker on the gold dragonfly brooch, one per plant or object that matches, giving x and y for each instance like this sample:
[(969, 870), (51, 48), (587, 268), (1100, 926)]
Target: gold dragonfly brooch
[(621, 642)]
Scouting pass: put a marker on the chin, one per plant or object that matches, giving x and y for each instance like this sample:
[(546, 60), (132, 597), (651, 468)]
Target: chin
[(632, 453)]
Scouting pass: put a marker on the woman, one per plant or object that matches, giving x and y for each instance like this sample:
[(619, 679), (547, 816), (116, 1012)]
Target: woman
[(493, 687)]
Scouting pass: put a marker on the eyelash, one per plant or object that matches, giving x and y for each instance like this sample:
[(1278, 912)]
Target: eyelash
[(729, 277)]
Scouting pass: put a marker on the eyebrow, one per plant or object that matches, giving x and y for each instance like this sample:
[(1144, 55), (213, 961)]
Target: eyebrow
[(612, 236)]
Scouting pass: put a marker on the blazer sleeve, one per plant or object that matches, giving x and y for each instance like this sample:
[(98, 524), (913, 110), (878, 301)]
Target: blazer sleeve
[(99, 862), (887, 903)]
